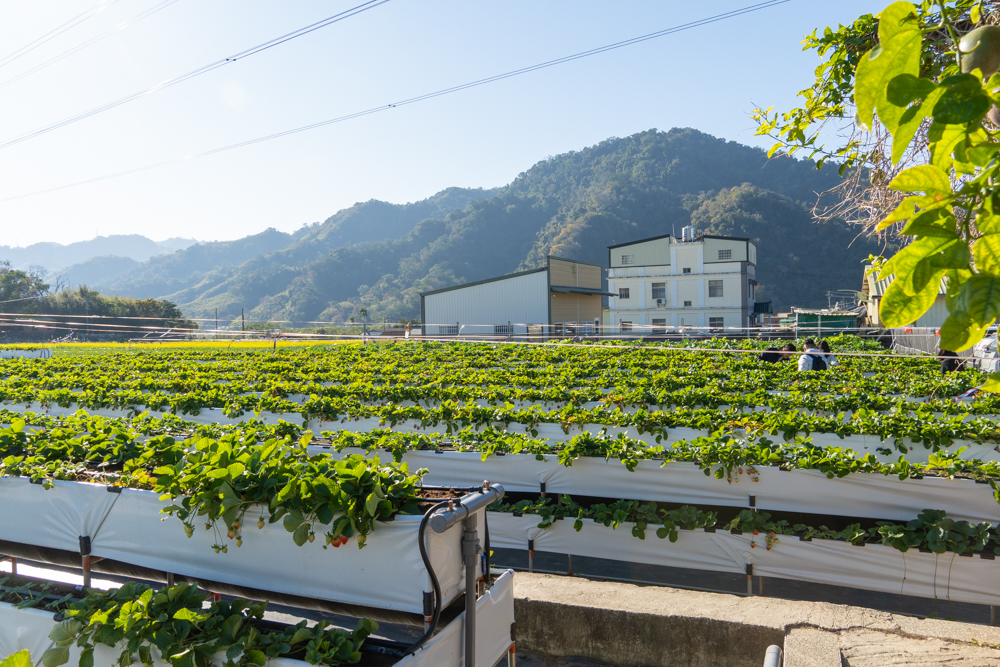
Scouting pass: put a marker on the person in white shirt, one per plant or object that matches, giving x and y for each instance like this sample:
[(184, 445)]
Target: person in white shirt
[(830, 359), (809, 356)]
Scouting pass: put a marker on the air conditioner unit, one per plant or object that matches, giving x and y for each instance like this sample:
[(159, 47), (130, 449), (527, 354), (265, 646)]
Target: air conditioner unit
[(660, 302)]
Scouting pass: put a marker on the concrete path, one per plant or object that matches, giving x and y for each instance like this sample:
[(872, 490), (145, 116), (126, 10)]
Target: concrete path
[(630, 625)]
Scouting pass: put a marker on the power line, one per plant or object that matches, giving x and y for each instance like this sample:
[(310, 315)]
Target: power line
[(419, 98), (52, 34), (354, 11), (65, 54)]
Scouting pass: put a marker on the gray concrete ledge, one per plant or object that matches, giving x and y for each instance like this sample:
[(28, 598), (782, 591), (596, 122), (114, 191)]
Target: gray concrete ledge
[(631, 625)]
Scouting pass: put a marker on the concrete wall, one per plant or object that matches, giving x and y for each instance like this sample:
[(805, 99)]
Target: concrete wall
[(737, 250)]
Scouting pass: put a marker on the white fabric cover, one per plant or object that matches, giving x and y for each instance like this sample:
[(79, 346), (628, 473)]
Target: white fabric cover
[(22, 629), (861, 495), (388, 573), (494, 615), (874, 567), (54, 518)]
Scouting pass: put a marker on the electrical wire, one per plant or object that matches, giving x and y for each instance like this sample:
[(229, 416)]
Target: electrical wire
[(65, 54), (52, 34), (336, 18), (420, 98)]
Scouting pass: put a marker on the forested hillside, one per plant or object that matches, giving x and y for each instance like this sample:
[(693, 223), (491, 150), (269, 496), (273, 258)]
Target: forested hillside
[(573, 205)]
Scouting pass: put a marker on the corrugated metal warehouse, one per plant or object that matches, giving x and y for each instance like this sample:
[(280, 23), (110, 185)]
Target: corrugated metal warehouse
[(563, 292)]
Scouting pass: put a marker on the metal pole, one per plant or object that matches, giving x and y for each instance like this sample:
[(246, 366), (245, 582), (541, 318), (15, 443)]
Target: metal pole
[(470, 552), (243, 322), (216, 323)]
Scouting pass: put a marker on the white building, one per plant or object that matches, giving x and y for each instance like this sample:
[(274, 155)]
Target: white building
[(694, 281), (562, 295)]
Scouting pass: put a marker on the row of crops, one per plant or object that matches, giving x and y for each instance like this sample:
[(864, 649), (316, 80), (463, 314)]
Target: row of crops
[(702, 458)]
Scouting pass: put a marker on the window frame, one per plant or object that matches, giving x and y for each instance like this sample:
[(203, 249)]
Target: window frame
[(628, 260), (720, 322), (663, 291), (725, 254), (624, 293), (718, 285)]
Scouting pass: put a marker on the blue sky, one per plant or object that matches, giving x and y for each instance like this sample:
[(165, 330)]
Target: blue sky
[(708, 78)]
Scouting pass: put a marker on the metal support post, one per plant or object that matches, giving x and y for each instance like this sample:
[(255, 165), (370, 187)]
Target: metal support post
[(511, 657), (531, 555), (470, 552), (750, 579), (993, 615), (570, 558), (13, 565), (760, 585)]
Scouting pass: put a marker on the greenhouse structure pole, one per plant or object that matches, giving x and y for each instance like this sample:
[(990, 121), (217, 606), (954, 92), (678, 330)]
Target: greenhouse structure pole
[(470, 551)]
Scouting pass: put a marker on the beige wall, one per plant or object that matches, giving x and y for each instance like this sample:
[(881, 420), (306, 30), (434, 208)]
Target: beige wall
[(563, 273), (713, 246), (647, 253), (687, 257), (687, 290), (575, 307)]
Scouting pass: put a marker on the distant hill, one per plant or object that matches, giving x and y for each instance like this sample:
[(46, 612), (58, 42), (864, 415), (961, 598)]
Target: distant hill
[(380, 256), (198, 276), (55, 256)]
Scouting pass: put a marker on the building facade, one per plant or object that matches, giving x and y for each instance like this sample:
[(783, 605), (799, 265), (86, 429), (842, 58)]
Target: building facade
[(695, 281), (564, 292)]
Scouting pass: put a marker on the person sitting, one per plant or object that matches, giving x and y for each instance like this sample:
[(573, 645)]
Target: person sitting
[(949, 361), (830, 359), (811, 358), (773, 355)]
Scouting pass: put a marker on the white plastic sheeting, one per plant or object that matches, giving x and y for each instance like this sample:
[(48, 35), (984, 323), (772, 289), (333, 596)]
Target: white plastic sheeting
[(856, 495), (128, 526), (494, 617), (872, 567), (24, 629), (387, 573), (29, 629), (863, 444), (53, 518)]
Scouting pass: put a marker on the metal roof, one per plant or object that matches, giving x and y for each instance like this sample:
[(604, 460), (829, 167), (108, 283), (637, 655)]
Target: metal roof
[(700, 236), (483, 282), (580, 290)]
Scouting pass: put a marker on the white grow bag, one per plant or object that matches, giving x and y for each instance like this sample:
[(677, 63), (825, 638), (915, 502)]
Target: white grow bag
[(858, 495), (29, 629), (874, 567), (128, 527)]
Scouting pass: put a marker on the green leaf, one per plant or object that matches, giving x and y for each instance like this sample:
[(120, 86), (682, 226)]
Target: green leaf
[(185, 614), (54, 657), (185, 659), (301, 534), (992, 385), (905, 89), (910, 121), (218, 473), (964, 101), (905, 210), (236, 469), (987, 253), (371, 504), (64, 632), (934, 222), (256, 657), (899, 309), (301, 635), (981, 154), (922, 178), (898, 53), (87, 658), (292, 521), (20, 659), (979, 299), (944, 140)]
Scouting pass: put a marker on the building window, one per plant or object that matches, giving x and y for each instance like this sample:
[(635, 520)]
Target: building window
[(448, 330), (623, 292), (685, 270), (725, 254), (628, 260), (501, 329), (687, 304), (715, 288), (626, 326), (659, 326), (660, 291), (717, 322)]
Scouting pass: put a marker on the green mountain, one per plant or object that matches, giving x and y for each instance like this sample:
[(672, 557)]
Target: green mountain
[(380, 256)]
